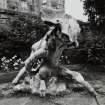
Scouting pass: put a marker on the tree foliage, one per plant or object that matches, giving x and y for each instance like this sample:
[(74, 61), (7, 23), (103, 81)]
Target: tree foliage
[(95, 9), (20, 33)]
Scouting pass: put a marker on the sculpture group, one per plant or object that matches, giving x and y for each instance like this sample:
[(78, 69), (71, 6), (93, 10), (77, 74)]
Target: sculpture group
[(48, 71)]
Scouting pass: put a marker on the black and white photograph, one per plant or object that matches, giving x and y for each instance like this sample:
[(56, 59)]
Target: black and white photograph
[(52, 52)]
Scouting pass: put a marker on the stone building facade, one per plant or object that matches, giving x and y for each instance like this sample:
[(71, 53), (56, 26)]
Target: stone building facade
[(33, 6), (55, 4), (3, 4), (21, 5), (28, 6)]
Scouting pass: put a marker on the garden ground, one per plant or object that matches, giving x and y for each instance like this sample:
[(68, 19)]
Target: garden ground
[(81, 97)]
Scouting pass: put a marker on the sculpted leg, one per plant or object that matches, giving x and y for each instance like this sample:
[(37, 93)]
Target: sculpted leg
[(79, 78), (19, 75)]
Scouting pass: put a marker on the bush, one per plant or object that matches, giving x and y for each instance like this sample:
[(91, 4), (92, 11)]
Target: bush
[(12, 63), (23, 31)]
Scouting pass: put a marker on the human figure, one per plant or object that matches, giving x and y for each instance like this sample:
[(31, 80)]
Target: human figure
[(50, 67), (39, 49)]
